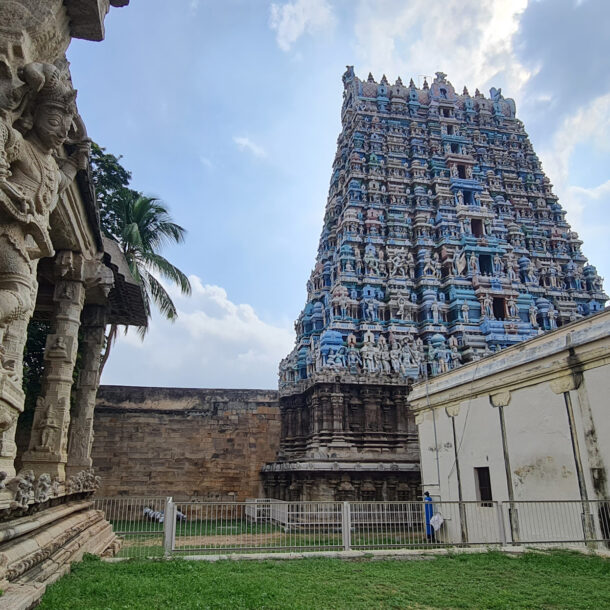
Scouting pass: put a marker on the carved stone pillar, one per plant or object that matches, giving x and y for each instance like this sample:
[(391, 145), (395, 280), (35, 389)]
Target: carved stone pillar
[(48, 450), (81, 424), (12, 398)]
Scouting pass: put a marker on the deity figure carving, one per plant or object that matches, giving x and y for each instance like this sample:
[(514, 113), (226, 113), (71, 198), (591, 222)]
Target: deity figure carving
[(32, 132), (395, 356), (43, 488), (435, 311), (511, 307), (431, 265), (411, 265), (354, 361), (384, 356), (473, 264), (370, 309), (529, 275), (397, 266), (382, 263), (459, 262), (400, 310), (512, 271), (371, 261), (465, 313), (497, 264), (48, 428), (487, 307), (533, 315), (552, 316), (23, 488)]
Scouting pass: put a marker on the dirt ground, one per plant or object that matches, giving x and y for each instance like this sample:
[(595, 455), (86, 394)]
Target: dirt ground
[(212, 541)]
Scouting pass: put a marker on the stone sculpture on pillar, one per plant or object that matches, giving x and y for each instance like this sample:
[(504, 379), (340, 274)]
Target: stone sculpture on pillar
[(40, 117), (81, 426), (49, 452)]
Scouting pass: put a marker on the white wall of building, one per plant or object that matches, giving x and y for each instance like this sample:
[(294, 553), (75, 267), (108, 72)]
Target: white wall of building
[(533, 386)]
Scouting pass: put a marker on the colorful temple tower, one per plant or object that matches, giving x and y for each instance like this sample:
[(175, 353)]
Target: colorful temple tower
[(442, 243)]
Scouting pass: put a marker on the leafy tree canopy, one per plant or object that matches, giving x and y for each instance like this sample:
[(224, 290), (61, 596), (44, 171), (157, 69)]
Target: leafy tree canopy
[(111, 181)]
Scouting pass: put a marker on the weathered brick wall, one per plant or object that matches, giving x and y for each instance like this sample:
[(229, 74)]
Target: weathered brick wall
[(208, 444)]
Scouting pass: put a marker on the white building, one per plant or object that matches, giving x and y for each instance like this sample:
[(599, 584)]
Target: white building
[(530, 423)]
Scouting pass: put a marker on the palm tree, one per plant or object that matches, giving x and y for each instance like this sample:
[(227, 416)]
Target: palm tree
[(143, 226)]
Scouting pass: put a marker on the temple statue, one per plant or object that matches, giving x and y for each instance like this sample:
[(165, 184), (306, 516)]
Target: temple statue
[(31, 178)]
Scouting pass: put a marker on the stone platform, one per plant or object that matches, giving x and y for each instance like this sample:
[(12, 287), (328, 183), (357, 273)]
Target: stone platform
[(38, 548)]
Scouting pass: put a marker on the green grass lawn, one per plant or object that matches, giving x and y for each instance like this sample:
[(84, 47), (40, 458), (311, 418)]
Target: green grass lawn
[(487, 580), (215, 527), (144, 539)]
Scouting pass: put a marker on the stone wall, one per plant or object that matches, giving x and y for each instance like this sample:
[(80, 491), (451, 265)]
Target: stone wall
[(209, 444)]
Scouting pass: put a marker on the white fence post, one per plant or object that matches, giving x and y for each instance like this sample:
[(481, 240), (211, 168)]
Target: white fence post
[(169, 527), (346, 526), (501, 528)]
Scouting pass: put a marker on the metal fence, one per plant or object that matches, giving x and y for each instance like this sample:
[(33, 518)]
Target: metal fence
[(154, 526), (139, 522)]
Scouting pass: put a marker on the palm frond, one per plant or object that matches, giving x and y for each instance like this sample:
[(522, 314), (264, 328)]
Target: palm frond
[(144, 226), (161, 299), (167, 270)]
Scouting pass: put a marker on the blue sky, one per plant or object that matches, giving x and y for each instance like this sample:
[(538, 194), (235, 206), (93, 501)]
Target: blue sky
[(229, 111)]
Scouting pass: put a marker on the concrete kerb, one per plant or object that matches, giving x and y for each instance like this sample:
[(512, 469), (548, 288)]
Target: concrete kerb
[(377, 555), (399, 554)]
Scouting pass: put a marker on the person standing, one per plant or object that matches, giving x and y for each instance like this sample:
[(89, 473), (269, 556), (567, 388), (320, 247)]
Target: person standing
[(428, 512)]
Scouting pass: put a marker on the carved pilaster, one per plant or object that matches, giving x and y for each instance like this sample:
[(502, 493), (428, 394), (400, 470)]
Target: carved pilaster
[(81, 425), (48, 450), (336, 401), (371, 398), (36, 108)]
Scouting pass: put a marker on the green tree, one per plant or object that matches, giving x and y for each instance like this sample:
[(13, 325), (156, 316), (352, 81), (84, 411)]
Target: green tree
[(111, 181), (145, 227), (33, 362), (142, 226)]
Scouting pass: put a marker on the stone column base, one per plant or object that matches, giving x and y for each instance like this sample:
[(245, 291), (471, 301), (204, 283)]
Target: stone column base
[(38, 549), (40, 462)]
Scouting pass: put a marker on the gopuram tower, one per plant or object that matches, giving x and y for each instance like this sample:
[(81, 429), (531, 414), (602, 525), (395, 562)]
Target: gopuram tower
[(442, 243)]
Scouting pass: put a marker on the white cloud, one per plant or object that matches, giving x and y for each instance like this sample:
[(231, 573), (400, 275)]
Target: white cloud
[(588, 131), (471, 40), (591, 222), (591, 124), (205, 162), (213, 343), (194, 6), (292, 20), (244, 143), (480, 43)]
